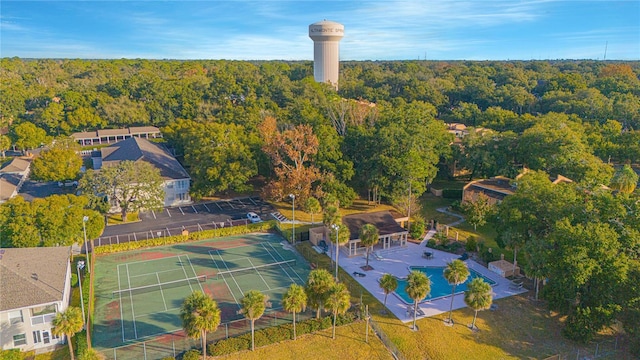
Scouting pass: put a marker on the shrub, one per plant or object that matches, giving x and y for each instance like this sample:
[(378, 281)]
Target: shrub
[(487, 255), (191, 355), (417, 228), (169, 358), (471, 245), (431, 243), (74, 279), (452, 194), (81, 343), (13, 354)]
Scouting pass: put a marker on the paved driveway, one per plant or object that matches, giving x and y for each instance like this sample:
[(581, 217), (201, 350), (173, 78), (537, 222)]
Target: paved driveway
[(172, 220)]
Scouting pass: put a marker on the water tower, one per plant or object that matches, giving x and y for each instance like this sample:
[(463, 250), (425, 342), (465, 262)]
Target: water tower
[(326, 51)]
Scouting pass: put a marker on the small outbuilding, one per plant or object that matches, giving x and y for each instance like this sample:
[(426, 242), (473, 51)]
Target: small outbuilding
[(504, 268)]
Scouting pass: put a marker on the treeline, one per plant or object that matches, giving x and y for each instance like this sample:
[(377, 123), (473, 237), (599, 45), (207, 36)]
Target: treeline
[(382, 131)]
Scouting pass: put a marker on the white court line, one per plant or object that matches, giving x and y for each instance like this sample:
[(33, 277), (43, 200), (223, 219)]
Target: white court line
[(144, 261), (121, 315), (185, 273), (281, 266), (294, 271), (194, 273), (258, 271), (225, 280), (161, 292), (164, 271), (133, 314)]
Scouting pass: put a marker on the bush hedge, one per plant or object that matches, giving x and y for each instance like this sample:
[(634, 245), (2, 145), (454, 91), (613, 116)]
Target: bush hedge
[(276, 334), (452, 194), (168, 240)]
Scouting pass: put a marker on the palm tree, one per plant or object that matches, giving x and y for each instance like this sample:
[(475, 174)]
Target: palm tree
[(200, 314), (318, 284), (478, 297), (388, 284), (418, 287), (456, 273), (340, 236), (68, 323), (369, 236), (312, 206), (294, 301), (338, 301), (253, 306)]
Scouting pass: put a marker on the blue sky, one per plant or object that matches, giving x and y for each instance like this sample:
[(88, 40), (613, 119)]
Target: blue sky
[(374, 30)]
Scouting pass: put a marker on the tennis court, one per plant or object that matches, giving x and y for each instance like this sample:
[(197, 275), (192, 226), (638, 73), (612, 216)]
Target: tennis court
[(139, 293)]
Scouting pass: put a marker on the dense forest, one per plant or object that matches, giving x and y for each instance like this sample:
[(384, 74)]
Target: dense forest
[(384, 134)]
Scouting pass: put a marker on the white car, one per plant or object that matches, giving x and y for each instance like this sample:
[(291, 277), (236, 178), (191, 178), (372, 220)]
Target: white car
[(253, 217)]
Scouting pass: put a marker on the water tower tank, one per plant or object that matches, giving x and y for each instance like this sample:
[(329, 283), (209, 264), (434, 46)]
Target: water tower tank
[(326, 36)]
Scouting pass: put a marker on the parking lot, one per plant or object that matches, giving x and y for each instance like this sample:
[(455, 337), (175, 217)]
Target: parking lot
[(196, 217)]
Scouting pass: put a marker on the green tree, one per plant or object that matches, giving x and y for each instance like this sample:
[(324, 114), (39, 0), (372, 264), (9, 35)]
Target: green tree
[(5, 144), (253, 305), (338, 301), (294, 301), (625, 180), (68, 323), (418, 287), (130, 186), (455, 273), (477, 210), (27, 136), (91, 354), (317, 287), (478, 297), (312, 206), (19, 227), (60, 162), (369, 236), (200, 314), (388, 284)]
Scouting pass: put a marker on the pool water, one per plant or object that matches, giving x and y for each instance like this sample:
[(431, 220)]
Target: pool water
[(439, 285)]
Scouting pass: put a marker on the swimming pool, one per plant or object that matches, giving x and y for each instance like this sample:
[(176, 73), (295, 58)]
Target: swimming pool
[(439, 285)]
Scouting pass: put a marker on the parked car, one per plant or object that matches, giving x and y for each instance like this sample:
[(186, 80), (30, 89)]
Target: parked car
[(253, 217)]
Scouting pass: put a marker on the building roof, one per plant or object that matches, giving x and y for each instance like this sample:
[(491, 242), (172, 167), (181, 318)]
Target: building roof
[(17, 165), (32, 276), (139, 149), (136, 130), (8, 185), (503, 265), (499, 184), (383, 220)]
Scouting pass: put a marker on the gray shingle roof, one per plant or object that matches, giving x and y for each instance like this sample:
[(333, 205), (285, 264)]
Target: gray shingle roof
[(8, 184), (383, 220), (32, 276), (138, 149)]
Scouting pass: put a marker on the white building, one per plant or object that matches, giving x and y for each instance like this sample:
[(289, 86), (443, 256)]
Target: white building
[(36, 284), (326, 36), (176, 179)]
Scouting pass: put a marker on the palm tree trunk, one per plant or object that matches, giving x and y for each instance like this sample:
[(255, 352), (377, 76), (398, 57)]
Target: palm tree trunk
[(473, 324), (537, 286), (385, 298), (337, 252), (367, 265), (294, 325), (415, 313), (335, 316), (451, 306), (70, 346), (253, 343), (318, 312), (204, 345)]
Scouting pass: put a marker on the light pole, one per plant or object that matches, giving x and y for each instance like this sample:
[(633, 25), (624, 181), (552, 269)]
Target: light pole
[(86, 248), (293, 208), (79, 266), (337, 229)]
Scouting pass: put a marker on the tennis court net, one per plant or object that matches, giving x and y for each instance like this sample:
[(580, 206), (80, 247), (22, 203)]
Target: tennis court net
[(160, 286), (254, 269)]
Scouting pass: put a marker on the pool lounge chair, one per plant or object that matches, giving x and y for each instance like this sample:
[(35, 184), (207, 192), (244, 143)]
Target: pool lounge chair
[(464, 257), (377, 255)]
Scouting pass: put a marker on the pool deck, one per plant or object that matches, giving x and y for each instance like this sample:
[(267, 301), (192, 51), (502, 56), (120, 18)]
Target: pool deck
[(396, 261)]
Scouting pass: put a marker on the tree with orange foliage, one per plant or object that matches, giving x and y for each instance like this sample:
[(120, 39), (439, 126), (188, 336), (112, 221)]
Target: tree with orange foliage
[(290, 152)]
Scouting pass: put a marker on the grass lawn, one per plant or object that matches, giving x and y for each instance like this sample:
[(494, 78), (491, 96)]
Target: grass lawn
[(430, 203), (359, 206), (349, 344), (115, 219)]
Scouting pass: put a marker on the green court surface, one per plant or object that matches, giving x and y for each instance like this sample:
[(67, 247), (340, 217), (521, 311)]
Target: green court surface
[(138, 294)]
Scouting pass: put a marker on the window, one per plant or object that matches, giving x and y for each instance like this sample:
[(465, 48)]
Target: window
[(54, 335), (15, 317), (42, 310), (36, 337), (20, 339), (45, 337)]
